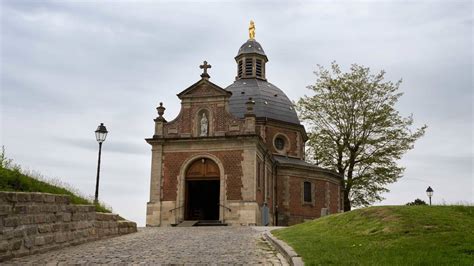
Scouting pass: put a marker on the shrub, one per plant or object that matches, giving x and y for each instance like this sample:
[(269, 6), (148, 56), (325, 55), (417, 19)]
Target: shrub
[(416, 202)]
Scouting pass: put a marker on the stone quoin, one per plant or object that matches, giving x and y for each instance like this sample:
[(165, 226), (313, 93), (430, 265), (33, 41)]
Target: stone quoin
[(236, 155)]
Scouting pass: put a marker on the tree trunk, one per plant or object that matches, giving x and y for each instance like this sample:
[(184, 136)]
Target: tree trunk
[(350, 170), (347, 202)]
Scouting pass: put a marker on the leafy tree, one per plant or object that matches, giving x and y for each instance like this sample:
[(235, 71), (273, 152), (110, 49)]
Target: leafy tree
[(356, 130), (417, 202), (4, 161)]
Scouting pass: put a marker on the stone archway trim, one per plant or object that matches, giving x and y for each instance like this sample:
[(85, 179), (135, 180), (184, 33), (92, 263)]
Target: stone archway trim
[(182, 183)]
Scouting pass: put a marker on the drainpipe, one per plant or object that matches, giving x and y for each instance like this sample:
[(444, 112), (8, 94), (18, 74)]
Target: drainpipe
[(265, 177), (275, 195)]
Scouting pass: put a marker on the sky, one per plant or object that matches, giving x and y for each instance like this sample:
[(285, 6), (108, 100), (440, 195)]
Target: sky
[(68, 66)]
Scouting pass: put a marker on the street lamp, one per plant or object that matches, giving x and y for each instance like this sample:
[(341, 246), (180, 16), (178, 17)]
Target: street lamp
[(429, 192), (100, 135)]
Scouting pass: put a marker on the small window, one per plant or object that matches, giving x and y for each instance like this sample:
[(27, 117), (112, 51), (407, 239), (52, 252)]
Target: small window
[(279, 143), (307, 192), (248, 66)]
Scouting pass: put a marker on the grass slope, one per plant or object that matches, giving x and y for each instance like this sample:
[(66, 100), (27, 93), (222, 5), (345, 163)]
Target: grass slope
[(14, 180), (387, 235)]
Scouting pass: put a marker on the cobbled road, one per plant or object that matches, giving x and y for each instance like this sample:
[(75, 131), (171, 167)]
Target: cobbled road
[(170, 245)]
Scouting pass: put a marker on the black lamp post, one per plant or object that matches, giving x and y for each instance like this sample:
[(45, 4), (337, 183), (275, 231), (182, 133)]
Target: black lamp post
[(100, 135), (429, 192)]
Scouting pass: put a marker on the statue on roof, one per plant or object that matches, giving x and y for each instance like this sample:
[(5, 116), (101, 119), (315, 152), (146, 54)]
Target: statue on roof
[(252, 30)]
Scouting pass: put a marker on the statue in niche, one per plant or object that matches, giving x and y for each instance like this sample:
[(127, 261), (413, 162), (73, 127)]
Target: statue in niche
[(204, 125)]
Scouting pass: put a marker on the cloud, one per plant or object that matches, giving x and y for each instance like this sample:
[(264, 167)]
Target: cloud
[(129, 148), (67, 66)]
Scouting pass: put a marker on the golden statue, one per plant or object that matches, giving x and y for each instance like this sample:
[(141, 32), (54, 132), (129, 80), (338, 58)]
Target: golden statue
[(252, 30)]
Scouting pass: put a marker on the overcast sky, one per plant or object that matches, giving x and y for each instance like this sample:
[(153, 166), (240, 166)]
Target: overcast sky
[(66, 67)]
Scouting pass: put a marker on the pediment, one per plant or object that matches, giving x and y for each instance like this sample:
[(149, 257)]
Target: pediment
[(204, 88)]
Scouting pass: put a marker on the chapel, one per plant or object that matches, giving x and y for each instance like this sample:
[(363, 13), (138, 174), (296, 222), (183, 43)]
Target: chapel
[(236, 155)]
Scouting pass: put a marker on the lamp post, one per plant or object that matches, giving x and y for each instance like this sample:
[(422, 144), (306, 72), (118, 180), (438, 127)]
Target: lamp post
[(100, 135), (429, 192)]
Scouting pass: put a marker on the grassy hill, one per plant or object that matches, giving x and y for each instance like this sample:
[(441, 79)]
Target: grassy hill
[(12, 179), (387, 235)]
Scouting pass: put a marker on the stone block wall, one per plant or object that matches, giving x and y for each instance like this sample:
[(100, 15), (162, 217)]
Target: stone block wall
[(33, 223)]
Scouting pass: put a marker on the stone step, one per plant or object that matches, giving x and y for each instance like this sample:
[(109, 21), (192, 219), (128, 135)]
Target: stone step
[(210, 223), (187, 223)]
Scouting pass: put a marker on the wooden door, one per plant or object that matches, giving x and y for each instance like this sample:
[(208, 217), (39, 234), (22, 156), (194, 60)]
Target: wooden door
[(202, 190), (203, 169)]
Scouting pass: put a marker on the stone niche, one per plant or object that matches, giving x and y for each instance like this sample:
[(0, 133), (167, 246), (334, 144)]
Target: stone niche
[(33, 223)]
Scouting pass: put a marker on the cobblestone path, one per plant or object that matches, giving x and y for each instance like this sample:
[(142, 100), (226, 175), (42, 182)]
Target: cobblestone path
[(170, 245)]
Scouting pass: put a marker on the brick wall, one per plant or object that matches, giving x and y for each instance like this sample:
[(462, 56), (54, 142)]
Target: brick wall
[(292, 135), (334, 198), (299, 210), (38, 222), (232, 161), (219, 120), (292, 210)]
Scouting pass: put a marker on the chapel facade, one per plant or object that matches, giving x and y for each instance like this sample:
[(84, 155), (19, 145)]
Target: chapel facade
[(235, 155)]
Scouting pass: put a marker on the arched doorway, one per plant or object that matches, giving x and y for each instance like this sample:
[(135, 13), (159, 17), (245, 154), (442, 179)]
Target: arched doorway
[(202, 191)]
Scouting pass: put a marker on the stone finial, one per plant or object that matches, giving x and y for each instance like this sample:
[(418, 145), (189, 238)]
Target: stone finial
[(250, 104), (250, 117), (161, 110)]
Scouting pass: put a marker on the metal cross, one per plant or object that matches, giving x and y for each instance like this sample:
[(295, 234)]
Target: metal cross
[(205, 66)]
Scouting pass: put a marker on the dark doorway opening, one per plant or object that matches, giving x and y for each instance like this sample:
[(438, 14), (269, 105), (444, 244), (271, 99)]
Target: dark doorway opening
[(202, 200)]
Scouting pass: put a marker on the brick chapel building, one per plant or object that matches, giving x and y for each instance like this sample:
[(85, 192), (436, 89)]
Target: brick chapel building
[(235, 155)]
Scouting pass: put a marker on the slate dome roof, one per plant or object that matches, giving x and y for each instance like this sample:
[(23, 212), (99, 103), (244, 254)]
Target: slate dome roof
[(251, 46), (270, 101)]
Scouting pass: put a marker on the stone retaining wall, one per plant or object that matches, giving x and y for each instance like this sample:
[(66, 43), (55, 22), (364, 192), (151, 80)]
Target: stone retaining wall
[(38, 222)]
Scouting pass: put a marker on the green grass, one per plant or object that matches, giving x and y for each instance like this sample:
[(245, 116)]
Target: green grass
[(387, 235), (14, 180)]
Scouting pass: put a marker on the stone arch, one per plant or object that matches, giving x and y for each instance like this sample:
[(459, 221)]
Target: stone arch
[(182, 183)]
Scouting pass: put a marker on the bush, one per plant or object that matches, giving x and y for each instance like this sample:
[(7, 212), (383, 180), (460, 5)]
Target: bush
[(416, 202)]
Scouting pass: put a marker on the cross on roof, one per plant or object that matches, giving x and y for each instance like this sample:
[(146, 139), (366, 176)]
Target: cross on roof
[(205, 66)]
